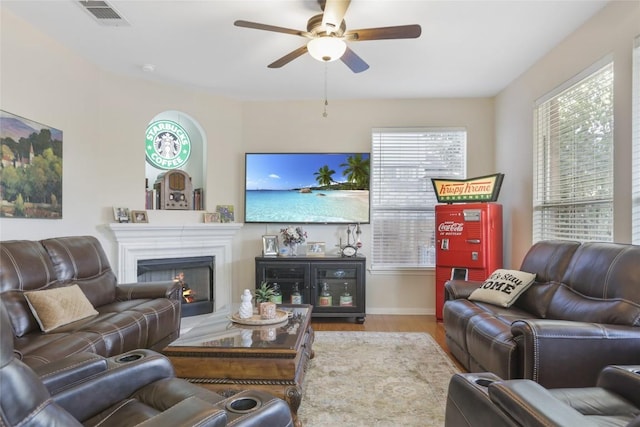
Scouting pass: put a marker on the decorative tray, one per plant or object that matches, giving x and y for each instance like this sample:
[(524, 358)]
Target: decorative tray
[(281, 316)]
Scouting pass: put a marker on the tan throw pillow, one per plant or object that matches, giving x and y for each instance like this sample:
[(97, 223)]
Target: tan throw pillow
[(503, 287), (56, 307)]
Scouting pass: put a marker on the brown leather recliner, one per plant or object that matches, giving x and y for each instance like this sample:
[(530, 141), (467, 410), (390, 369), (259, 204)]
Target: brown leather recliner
[(135, 388), (581, 314), (484, 399), (130, 316)]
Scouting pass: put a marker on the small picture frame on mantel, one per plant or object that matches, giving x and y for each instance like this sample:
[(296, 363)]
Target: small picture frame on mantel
[(270, 245), (139, 216), (210, 217), (121, 214), (315, 248)]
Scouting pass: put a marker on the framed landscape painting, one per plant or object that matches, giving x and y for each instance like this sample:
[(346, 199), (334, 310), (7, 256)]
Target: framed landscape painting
[(31, 172)]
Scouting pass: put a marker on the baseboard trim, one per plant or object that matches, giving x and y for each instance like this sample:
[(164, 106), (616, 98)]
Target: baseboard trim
[(402, 311)]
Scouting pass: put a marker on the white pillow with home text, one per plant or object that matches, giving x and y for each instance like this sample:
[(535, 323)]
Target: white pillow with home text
[(503, 287)]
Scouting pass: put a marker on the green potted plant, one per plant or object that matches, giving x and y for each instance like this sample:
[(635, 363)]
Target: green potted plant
[(263, 293), (266, 308)]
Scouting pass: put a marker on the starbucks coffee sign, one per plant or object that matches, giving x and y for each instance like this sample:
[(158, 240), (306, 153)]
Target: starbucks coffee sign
[(167, 145)]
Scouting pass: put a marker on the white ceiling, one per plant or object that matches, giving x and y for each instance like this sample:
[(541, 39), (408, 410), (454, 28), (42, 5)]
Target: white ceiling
[(467, 48)]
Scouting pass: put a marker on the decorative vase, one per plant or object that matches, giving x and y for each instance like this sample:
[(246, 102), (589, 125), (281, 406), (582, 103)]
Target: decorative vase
[(267, 310), (293, 249)]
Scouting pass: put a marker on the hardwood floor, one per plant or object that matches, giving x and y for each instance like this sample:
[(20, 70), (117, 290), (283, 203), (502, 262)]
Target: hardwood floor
[(389, 323)]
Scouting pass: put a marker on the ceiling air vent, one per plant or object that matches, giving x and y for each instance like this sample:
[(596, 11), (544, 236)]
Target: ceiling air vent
[(103, 12)]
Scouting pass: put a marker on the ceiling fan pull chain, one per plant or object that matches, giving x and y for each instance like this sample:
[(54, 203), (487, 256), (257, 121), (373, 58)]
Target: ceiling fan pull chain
[(326, 102)]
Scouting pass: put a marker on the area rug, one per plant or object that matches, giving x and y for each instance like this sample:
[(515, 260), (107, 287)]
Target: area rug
[(376, 379)]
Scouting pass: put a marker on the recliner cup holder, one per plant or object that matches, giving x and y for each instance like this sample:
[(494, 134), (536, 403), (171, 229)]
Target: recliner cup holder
[(243, 405), (129, 358), (483, 382)]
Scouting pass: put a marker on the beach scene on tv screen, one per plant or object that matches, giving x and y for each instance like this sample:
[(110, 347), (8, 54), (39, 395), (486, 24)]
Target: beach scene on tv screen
[(307, 187)]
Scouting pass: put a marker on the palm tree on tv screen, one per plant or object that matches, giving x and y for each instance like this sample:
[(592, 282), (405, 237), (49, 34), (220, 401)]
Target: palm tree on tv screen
[(357, 171), (324, 176)]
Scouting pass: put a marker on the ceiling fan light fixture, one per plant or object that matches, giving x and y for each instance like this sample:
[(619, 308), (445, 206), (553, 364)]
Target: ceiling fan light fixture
[(326, 48)]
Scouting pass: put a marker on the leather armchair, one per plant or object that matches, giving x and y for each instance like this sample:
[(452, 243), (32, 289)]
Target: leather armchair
[(135, 388), (484, 399)]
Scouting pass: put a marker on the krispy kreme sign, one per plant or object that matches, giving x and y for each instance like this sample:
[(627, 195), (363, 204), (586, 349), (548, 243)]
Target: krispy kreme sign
[(480, 189)]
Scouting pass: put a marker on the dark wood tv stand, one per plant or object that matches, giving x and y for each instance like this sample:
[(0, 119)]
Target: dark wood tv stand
[(310, 273)]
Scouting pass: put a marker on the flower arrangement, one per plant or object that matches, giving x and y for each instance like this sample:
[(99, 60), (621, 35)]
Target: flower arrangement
[(293, 235)]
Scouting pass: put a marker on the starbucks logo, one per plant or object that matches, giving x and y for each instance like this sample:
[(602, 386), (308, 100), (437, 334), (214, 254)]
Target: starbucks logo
[(167, 145)]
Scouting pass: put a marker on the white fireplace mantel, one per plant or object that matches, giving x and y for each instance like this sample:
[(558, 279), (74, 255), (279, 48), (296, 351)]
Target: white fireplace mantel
[(142, 241)]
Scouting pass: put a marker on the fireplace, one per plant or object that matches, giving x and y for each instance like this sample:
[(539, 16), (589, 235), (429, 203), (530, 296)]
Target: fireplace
[(195, 274), (145, 241)]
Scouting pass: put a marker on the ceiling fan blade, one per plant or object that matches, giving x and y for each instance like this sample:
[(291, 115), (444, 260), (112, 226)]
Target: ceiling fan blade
[(382, 33), (289, 57), (334, 11), (353, 61), (265, 27)]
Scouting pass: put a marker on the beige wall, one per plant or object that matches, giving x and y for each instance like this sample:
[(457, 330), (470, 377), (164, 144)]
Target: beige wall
[(610, 32), (300, 126), (104, 116)]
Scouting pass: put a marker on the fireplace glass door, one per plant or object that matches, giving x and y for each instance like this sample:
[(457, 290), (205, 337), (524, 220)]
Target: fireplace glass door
[(195, 274)]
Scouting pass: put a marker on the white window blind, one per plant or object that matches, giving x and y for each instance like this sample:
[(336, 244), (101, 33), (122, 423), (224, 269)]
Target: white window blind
[(403, 161), (636, 144), (573, 162)]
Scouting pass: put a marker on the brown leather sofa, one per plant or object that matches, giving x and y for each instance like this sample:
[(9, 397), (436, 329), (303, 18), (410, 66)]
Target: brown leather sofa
[(581, 314), (485, 400), (135, 388), (130, 316)]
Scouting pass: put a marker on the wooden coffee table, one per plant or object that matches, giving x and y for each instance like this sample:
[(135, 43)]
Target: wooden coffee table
[(228, 357)]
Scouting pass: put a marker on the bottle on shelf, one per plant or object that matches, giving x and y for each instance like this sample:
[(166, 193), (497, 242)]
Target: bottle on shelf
[(325, 296), (346, 300), (277, 294), (296, 297)]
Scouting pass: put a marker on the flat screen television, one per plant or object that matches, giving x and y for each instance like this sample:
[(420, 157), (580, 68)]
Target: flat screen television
[(307, 188)]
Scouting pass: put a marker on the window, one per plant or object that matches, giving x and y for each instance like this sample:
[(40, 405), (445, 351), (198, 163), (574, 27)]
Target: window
[(573, 161), (403, 161), (636, 144)]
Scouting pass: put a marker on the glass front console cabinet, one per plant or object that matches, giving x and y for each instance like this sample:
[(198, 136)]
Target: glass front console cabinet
[(334, 286)]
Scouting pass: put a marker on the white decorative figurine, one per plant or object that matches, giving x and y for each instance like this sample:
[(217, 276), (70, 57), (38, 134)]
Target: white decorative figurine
[(246, 308)]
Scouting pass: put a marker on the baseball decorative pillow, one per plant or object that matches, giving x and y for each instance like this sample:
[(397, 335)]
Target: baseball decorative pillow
[(503, 287)]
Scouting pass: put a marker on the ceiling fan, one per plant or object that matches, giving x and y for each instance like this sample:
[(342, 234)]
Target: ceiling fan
[(328, 35)]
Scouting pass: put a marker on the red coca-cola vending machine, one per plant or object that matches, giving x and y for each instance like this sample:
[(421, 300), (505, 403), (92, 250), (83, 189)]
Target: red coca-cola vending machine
[(468, 234)]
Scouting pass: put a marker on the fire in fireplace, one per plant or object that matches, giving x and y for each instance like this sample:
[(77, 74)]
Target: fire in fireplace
[(195, 274)]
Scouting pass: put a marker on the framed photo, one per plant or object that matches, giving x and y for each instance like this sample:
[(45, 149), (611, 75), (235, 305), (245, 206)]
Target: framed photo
[(139, 216), (226, 213), (315, 248), (270, 245), (211, 217), (121, 214)]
